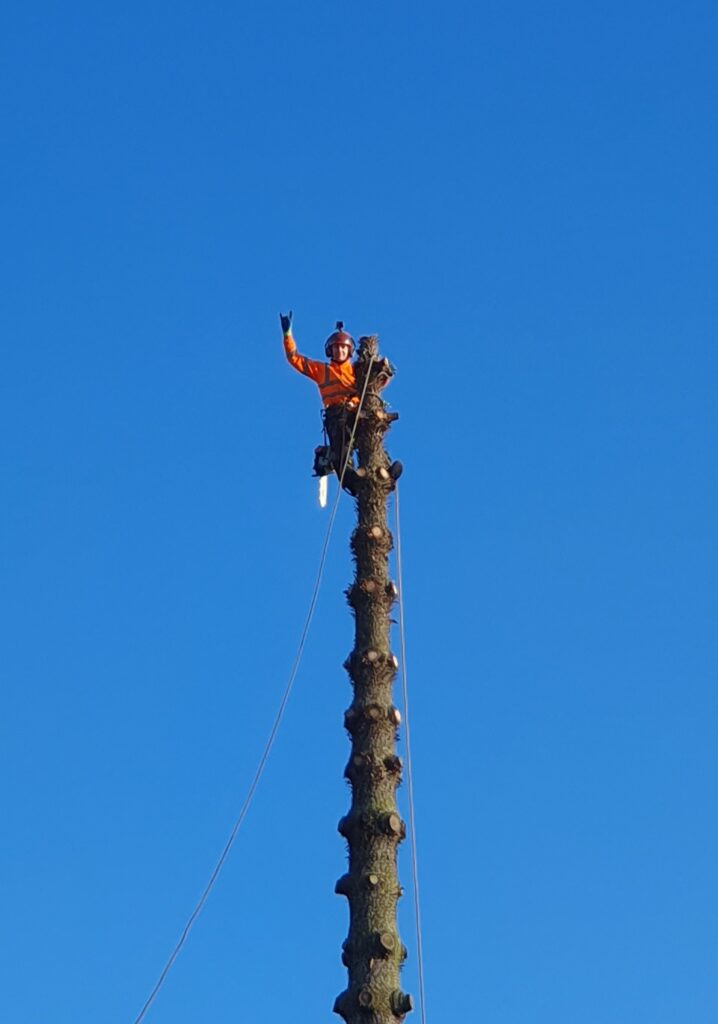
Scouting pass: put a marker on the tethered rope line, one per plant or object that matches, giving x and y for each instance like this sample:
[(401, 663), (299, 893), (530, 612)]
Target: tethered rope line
[(275, 727), (409, 772)]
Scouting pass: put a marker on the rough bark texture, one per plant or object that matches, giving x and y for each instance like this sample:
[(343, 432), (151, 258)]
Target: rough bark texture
[(372, 952)]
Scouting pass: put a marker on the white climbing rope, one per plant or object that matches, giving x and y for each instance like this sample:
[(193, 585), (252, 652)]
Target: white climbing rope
[(409, 772), (275, 727)]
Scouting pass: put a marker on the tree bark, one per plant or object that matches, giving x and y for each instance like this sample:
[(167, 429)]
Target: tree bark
[(373, 952)]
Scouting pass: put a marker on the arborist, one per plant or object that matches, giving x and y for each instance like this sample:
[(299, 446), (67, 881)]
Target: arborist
[(337, 387)]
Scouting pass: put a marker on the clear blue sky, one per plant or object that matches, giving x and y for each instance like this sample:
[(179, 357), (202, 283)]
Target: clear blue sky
[(520, 198)]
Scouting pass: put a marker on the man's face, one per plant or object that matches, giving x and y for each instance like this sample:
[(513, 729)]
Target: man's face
[(340, 351)]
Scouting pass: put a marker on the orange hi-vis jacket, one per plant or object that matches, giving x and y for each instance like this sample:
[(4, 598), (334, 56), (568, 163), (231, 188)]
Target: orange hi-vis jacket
[(336, 381)]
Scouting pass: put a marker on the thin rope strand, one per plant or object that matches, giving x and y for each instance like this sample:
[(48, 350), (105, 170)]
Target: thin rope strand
[(409, 772), (272, 735), (356, 421)]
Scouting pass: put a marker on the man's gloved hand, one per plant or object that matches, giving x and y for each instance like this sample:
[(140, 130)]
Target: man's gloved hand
[(286, 322)]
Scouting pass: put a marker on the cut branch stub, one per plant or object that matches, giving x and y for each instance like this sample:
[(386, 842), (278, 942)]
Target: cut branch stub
[(401, 1003), (373, 712), (385, 943), (357, 763), (392, 824), (344, 886), (342, 1002), (365, 997), (393, 764)]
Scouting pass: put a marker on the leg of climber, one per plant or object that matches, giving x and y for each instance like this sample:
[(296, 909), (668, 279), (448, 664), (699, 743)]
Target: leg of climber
[(338, 421)]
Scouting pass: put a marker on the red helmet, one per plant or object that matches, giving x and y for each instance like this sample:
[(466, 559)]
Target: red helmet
[(339, 335)]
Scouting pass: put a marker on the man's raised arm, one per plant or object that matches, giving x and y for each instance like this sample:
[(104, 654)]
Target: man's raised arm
[(309, 367)]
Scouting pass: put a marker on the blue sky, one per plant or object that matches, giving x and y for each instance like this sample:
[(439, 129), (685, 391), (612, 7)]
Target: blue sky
[(520, 199)]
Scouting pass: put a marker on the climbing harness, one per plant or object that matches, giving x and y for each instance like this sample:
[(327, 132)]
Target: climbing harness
[(272, 735), (325, 455)]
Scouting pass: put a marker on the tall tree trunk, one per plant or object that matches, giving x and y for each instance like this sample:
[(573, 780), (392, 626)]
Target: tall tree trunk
[(372, 952)]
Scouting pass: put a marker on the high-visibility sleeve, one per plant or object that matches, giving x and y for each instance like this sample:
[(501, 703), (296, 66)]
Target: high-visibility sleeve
[(336, 381), (311, 368)]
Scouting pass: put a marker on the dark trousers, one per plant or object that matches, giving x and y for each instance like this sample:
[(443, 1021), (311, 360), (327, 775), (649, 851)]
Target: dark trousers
[(338, 423)]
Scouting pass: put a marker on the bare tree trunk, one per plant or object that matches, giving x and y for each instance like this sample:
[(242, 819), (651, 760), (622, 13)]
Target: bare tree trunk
[(372, 952)]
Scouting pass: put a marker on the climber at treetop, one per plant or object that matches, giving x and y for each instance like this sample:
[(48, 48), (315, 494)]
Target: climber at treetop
[(337, 387)]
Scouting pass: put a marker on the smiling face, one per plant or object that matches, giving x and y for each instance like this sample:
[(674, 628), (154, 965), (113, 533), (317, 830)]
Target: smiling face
[(340, 351)]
